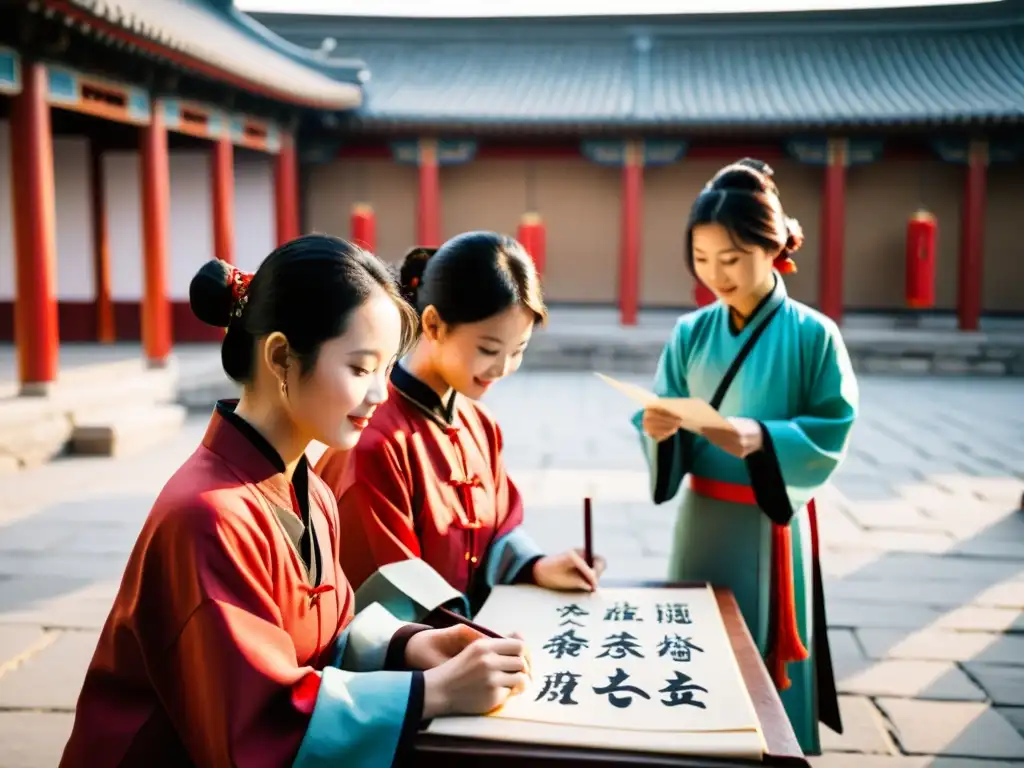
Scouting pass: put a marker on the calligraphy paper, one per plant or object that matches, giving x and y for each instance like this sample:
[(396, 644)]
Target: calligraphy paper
[(696, 415), (622, 669)]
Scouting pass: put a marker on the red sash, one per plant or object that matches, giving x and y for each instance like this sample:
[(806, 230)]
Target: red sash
[(784, 643)]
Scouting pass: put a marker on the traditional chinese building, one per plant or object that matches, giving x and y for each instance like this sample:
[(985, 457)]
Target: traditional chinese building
[(605, 129), (121, 123), (139, 138)]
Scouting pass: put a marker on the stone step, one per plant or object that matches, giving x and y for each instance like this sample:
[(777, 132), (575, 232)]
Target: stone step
[(124, 431), (34, 430), (888, 351)]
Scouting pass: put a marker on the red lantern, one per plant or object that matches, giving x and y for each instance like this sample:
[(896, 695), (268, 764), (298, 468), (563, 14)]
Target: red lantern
[(922, 231), (702, 294), (532, 235), (364, 227)]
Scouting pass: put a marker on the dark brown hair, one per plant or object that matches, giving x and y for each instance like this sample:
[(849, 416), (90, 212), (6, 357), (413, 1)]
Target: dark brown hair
[(307, 289), (471, 277), (743, 198)]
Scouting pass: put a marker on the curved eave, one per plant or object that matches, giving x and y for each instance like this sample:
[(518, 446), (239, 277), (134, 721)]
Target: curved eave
[(329, 95), (352, 71), (575, 126)]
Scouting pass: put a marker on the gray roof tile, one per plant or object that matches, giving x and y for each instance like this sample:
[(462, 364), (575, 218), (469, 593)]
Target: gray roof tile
[(807, 70)]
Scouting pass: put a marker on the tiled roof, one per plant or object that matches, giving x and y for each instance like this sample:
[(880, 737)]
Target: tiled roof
[(801, 71), (225, 42)]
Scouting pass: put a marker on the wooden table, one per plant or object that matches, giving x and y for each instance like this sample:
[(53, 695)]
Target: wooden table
[(783, 748)]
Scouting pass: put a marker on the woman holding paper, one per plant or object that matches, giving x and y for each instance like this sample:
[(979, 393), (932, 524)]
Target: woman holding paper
[(428, 479), (779, 374)]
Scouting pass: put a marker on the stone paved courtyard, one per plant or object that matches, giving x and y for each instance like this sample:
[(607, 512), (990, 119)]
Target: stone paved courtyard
[(924, 559)]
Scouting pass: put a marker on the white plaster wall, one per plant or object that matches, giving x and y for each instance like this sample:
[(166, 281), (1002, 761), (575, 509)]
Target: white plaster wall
[(191, 225), (191, 220), (73, 224), (6, 216), (191, 235), (254, 210), (121, 189), (75, 279)]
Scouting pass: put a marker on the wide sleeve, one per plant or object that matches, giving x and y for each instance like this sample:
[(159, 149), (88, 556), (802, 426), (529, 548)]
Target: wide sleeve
[(669, 460), (511, 556), (801, 453), (229, 679), (375, 512)]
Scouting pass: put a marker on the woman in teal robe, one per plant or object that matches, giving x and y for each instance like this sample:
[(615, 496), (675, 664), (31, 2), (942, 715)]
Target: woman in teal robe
[(746, 520)]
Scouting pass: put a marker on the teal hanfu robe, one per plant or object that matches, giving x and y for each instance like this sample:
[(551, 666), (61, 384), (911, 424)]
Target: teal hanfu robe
[(798, 383)]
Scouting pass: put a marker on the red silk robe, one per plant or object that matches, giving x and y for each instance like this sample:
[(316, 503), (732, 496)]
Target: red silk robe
[(427, 480), (223, 642)]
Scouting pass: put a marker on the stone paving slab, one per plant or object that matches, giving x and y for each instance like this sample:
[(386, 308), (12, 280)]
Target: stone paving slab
[(33, 739), (943, 645), (912, 679), (51, 679), (937, 594), (956, 567), (959, 729), (844, 760), (861, 613), (1014, 716), (56, 602), (918, 566), (1003, 683), (16, 640), (864, 729), (847, 655)]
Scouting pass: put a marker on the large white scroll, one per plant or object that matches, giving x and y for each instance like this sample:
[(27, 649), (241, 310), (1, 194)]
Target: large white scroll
[(637, 669)]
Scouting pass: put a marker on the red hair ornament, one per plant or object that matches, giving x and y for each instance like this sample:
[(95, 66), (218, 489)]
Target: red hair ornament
[(239, 290), (785, 265)]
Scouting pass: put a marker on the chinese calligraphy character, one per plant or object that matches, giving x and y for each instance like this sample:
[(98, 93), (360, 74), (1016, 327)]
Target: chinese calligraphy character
[(674, 613), (615, 685), (568, 613), (677, 648), (680, 691), (622, 612), (566, 644), (559, 687), (617, 646)]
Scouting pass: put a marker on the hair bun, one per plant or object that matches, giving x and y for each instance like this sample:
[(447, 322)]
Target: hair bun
[(795, 236), (746, 175), (210, 294), (758, 165), (410, 274)]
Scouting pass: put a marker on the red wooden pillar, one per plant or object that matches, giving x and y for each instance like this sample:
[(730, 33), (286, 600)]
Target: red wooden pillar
[(363, 227), (702, 294), (833, 231), (632, 223), (286, 191), (222, 178), (156, 204), (428, 210), (36, 331), (105, 332), (972, 238), (532, 235)]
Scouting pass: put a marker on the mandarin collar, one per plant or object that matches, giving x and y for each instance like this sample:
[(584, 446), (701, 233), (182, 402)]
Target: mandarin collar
[(423, 396), (240, 444)]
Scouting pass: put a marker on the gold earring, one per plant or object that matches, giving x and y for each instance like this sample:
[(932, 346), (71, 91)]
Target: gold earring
[(284, 387)]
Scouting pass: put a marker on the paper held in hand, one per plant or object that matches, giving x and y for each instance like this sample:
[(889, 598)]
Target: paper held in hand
[(697, 415)]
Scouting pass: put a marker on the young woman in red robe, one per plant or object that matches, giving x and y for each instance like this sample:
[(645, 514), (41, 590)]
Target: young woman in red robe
[(428, 479), (232, 640)]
